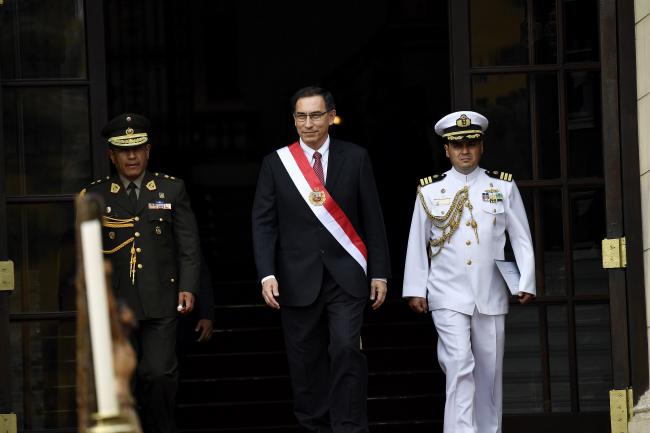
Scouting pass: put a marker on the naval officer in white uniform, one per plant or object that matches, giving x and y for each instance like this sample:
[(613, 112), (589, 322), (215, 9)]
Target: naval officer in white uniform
[(458, 229)]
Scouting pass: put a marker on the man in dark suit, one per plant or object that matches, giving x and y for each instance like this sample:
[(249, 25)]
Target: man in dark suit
[(320, 249), (151, 237)]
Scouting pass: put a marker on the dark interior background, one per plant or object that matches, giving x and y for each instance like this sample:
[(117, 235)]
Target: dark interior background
[(215, 77)]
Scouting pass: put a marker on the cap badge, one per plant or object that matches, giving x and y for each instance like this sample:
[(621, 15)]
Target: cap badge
[(129, 131), (463, 121)]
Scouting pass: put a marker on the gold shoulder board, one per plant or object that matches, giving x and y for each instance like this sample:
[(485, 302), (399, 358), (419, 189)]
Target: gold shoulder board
[(431, 179)]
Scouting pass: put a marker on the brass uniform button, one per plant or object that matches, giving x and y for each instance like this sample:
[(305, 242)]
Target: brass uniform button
[(139, 265), (138, 250), (158, 230), (137, 218), (469, 263), (468, 242), (111, 235), (137, 234), (172, 280), (467, 223), (160, 219)]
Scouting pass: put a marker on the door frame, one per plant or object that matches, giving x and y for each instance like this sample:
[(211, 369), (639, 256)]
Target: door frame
[(629, 336), (96, 84)]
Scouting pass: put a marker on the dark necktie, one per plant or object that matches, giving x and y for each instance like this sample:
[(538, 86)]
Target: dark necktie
[(318, 167), (133, 198)]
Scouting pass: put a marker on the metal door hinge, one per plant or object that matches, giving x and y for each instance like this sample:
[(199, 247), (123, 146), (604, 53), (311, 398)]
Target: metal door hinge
[(8, 423), (614, 253), (621, 406), (7, 275)]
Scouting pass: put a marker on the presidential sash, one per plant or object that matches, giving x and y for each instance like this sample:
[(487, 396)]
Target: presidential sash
[(321, 203)]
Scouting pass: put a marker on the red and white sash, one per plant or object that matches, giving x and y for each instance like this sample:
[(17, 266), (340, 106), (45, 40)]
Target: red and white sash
[(328, 212)]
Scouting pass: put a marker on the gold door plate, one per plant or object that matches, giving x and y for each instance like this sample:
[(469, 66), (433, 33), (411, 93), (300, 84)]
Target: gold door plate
[(620, 409), (8, 423), (614, 253), (6, 276)]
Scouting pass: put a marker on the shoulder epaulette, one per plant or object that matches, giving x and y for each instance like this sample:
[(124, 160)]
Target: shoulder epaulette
[(165, 176), (93, 183), (432, 179), (501, 175)]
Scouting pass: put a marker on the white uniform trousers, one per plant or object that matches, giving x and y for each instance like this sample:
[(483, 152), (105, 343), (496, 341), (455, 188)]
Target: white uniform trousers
[(470, 352)]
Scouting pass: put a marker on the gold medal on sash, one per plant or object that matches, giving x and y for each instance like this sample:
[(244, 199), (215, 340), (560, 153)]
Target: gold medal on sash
[(317, 197)]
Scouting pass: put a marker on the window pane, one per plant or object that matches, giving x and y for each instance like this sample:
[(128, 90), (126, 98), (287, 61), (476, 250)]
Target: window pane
[(594, 356), (47, 140), (41, 244), (588, 230), (581, 30), (548, 125), (584, 123), (522, 370), (43, 379), (545, 30), (47, 37), (558, 351), (504, 100), (499, 32), (555, 278)]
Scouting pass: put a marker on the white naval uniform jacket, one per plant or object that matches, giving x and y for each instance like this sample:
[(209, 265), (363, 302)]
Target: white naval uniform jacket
[(463, 275)]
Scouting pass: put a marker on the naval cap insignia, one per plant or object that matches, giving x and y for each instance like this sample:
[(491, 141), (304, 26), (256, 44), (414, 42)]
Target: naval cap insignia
[(463, 121), (129, 131)]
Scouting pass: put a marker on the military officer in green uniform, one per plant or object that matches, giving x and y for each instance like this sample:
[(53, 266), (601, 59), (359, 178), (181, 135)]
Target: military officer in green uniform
[(151, 237)]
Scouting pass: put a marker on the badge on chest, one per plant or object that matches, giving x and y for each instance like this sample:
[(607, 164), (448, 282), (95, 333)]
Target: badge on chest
[(492, 195), (160, 205)]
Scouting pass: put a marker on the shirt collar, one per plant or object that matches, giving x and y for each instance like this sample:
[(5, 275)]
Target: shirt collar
[(137, 182), (466, 178), (322, 150)]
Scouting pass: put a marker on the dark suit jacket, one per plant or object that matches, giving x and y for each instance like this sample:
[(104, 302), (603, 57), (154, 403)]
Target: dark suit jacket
[(167, 243), (289, 241)]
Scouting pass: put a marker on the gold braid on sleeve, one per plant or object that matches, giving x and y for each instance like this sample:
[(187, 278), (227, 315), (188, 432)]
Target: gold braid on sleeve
[(449, 222), (119, 223)]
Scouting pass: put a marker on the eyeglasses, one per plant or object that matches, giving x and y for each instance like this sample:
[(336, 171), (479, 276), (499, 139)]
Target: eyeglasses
[(315, 116)]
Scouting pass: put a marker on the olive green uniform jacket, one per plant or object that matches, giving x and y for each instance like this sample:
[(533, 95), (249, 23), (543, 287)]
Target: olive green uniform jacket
[(154, 249)]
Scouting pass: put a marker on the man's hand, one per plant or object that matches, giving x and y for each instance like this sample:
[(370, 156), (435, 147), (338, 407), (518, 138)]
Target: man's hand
[(419, 305), (378, 289), (524, 297), (204, 326), (270, 292), (185, 302)]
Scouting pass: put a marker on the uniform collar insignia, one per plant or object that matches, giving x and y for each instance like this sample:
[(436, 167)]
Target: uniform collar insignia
[(115, 188), (151, 185)]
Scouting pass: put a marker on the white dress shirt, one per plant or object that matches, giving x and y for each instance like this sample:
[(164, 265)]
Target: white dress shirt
[(324, 150)]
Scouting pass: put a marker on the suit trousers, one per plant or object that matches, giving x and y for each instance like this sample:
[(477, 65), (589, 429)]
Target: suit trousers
[(157, 373), (329, 373), (470, 353)]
